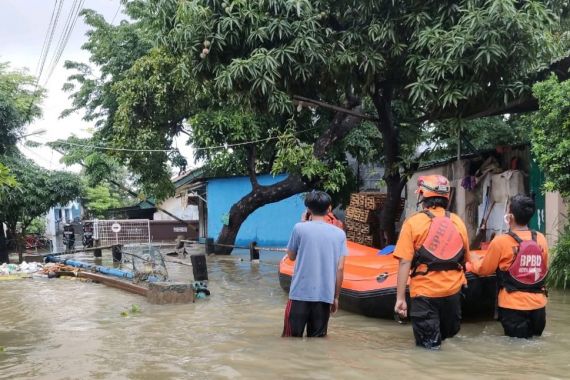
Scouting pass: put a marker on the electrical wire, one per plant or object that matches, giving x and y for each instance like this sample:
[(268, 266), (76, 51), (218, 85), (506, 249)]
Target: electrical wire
[(50, 32), (116, 13), (72, 18), (226, 146)]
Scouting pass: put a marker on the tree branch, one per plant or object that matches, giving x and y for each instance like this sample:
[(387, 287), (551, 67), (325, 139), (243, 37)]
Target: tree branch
[(342, 123), (300, 100), (251, 157)]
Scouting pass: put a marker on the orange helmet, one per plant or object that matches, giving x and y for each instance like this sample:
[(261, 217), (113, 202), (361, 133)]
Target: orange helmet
[(433, 186)]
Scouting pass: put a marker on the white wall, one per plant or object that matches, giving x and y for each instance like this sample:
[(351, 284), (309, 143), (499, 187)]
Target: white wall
[(176, 206), (556, 216)]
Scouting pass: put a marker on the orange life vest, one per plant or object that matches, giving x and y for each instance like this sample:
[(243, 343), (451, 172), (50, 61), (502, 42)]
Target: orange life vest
[(330, 218), (442, 249)]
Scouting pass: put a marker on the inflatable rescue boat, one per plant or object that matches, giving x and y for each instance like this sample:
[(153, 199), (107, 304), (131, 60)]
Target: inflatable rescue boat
[(369, 284)]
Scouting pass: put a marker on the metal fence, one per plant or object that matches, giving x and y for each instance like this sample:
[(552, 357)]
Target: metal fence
[(121, 231)]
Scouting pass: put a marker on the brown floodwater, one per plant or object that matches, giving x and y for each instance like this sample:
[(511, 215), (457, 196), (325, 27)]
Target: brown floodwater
[(69, 329)]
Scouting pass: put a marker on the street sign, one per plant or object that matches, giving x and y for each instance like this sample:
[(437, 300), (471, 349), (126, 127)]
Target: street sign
[(116, 227)]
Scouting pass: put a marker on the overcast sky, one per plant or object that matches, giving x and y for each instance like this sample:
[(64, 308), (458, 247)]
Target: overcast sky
[(23, 26)]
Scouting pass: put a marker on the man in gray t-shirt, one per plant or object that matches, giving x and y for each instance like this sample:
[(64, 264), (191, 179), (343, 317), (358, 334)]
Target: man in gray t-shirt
[(318, 249)]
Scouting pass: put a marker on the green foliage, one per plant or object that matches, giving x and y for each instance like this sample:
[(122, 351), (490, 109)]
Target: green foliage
[(99, 199), (6, 179), (551, 133), (18, 105), (39, 190), (559, 269), (476, 135), (227, 72), (37, 226)]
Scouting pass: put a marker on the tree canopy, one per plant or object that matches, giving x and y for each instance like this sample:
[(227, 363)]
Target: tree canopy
[(551, 133), (297, 77), (19, 100), (27, 191)]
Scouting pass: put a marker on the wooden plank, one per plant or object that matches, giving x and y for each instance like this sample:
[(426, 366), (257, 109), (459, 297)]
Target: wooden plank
[(115, 283)]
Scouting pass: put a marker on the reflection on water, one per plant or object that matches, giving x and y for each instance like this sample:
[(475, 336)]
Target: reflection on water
[(68, 329)]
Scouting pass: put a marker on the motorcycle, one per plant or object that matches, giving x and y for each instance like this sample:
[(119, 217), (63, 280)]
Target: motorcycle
[(68, 237), (88, 235)]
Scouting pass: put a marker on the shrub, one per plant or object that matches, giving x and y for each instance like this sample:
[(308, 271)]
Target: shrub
[(560, 263)]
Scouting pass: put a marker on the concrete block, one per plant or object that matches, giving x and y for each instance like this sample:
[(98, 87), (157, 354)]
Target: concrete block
[(170, 292)]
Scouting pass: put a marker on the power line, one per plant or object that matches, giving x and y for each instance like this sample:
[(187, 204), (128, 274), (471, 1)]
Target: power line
[(116, 13), (50, 32), (72, 18), (226, 146)]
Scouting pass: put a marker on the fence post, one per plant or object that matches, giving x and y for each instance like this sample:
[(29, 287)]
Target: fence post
[(209, 246), (253, 252), (199, 267), (97, 251), (117, 253)]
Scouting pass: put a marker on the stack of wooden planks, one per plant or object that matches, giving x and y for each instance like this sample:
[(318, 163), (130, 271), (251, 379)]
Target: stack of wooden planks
[(362, 218)]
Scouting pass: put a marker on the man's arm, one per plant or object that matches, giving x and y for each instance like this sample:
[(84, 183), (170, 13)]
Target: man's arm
[(488, 264), (403, 274), (292, 255), (339, 278)]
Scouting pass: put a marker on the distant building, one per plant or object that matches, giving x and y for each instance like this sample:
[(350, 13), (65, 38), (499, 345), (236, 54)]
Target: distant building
[(59, 215)]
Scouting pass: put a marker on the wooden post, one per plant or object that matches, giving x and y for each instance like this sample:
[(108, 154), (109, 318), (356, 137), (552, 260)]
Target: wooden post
[(210, 246), (199, 267), (117, 253), (253, 252), (97, 251)]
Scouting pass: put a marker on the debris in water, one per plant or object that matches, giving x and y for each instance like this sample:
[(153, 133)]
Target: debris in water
[(135, 308)]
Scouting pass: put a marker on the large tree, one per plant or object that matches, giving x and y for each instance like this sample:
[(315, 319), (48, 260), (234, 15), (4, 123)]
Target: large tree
[(313, 71), (551, 133)]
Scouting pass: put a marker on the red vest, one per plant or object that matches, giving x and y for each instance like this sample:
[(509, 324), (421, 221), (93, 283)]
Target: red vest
[(442, 249), (528, 269)]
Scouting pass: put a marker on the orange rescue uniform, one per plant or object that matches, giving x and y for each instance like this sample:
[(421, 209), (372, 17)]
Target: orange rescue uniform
[(435, 283), (500, 256)]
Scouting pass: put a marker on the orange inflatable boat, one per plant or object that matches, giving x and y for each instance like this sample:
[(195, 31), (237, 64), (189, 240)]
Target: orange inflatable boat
[(369, 284)]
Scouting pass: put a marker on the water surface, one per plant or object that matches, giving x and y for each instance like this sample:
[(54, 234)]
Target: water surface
[(69, 329)]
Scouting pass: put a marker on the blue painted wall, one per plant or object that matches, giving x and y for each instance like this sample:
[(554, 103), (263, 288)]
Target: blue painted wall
[(269, 225)]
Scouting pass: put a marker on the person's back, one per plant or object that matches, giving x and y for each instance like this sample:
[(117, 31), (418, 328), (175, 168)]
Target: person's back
[(319, 246), (434, 245), (318, 249), (521, 305)]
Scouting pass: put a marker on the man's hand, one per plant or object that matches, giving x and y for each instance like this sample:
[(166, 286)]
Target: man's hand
[(401, 308), (334, 306)]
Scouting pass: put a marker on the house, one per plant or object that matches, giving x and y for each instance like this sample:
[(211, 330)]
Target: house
[(59, 215), (209, 199), (482, 183)]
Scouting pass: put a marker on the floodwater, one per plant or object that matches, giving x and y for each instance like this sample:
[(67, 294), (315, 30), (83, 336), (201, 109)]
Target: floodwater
[(69, 329)]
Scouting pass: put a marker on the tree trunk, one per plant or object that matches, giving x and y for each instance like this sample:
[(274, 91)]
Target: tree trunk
[(258, 197), (4, 258), (382, 99)]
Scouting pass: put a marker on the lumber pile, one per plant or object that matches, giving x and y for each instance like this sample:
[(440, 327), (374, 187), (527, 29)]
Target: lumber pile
[(362, 218)]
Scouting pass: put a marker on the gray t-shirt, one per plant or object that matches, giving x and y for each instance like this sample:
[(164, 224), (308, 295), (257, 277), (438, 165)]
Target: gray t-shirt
[(319, 246)]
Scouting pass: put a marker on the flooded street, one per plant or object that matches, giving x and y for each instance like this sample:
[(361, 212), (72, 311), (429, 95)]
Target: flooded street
[(69, 329)]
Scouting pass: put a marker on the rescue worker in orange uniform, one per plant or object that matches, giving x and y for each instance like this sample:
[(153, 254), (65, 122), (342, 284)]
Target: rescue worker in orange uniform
[(433, 244), (520, 259)]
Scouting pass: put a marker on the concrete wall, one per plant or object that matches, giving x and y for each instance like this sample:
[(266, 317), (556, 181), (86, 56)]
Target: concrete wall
[(169, 230), (269, 225), (178, 207), (556, 216)]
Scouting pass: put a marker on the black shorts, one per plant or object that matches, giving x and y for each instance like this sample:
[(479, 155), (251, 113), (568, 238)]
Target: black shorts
[(435, 319), (314, 315), (522, 323)]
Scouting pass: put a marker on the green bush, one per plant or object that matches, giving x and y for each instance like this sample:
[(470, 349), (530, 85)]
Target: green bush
[(560, 263)]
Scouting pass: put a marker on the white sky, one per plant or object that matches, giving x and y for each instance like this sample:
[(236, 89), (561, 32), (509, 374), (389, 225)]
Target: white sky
[(23, 25)]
